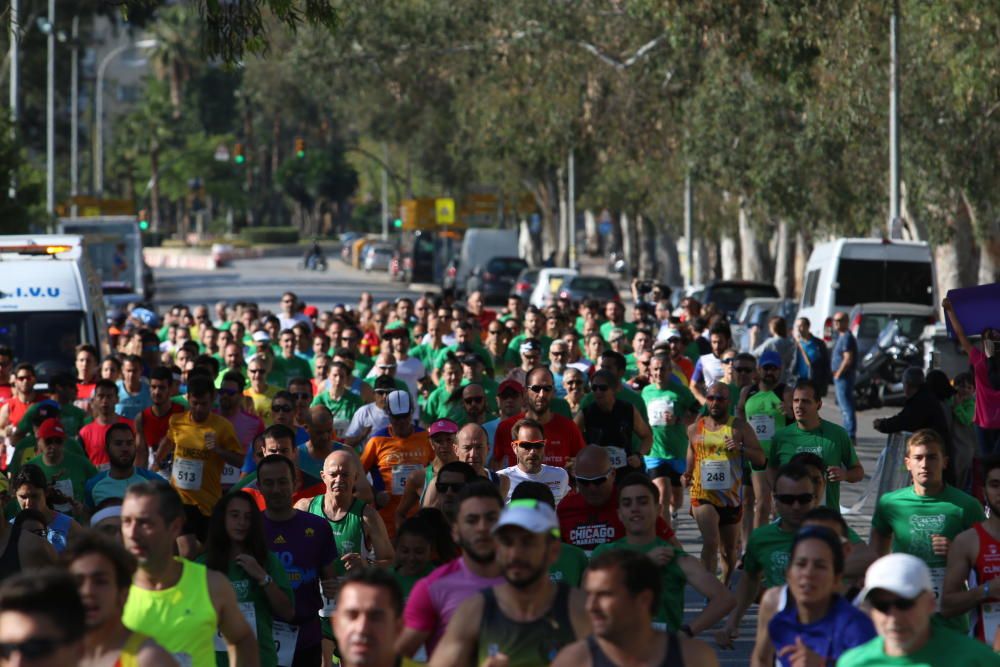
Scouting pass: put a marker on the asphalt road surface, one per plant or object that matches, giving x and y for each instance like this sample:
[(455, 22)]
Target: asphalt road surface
[(264, 280)]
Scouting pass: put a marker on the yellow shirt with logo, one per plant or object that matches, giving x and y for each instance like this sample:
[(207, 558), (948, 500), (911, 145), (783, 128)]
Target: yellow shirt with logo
[(717, 477), (196, 473)]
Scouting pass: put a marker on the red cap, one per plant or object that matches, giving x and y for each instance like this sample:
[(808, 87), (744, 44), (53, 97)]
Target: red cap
[(510, 384), (51, 428), (442, 426), (311, 311)]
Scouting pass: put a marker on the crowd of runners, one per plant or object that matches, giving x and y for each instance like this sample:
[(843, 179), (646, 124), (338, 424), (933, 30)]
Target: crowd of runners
[(433, 481)]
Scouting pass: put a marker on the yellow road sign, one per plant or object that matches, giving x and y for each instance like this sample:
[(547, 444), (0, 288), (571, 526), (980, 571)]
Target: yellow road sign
[(444, 211)]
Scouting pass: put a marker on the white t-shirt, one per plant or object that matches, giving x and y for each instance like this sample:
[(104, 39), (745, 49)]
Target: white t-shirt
[(555, 478), (367, 415), (711, 369), (289, 322)]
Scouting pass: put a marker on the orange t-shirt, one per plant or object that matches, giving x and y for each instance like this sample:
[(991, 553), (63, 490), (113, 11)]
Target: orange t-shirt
[(394, 459)]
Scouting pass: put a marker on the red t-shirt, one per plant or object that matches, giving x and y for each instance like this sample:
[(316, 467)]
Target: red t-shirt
[(6, 393), (92, 436), (563, 441), (154, 428), (587, 527), (16, 407)]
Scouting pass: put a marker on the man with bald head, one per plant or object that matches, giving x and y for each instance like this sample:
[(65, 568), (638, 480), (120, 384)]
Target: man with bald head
[(314, 452), (472, 446), (588, 515)]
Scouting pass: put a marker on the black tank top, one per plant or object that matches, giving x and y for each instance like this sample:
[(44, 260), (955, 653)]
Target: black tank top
[(609, 429), (530, 643), (672, 659), (10, 560)]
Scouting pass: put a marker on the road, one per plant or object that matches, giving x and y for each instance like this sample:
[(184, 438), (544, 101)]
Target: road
[(264, 280)]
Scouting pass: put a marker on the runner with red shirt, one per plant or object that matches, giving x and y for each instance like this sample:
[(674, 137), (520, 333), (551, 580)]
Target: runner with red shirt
[(92, 435), (152, 423)]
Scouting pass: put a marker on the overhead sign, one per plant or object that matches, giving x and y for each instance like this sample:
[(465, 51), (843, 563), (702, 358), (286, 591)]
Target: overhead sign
[(444, 211), (417, 213)]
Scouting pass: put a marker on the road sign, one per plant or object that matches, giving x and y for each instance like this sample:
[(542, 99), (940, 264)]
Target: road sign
[(222, 153), (604, 228), (444, 211), (417, 213)]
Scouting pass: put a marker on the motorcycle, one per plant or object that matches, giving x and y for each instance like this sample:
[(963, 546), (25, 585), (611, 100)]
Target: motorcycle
[(314, 262), (880, 373), (616, 263)]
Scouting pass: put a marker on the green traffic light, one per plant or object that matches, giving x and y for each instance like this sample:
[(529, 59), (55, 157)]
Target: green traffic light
[(300, 154), (397, 223), (143, 225), (239, 159)]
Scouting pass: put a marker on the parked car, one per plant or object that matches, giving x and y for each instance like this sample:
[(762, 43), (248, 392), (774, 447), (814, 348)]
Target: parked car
[(846, 272), (479, 246), (525, 283), (589, 287), (727, 295), (496, 279), (378, 257), (867, 320), (757, 311), (550, 281)]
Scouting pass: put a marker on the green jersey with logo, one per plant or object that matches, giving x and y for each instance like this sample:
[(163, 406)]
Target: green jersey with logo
[(766, 414), (944, 647), (830, 442), (672, 578), (348, 532), (768, 552), (570, 566), (666, 409)]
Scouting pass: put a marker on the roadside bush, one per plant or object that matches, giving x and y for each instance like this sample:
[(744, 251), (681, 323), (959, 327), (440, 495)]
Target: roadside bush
[(270, 234)]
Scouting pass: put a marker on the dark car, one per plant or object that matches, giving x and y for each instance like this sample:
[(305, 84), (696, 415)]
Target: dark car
[(496, 279), (727, 295), (580, 288), (524, 285)]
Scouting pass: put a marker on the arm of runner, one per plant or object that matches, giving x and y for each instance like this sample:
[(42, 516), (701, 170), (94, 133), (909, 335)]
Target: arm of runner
[(141, 447), (573, 655), (689, 458), (751, 445), (855, 473), (411, 495), (641, 429), (698, 653), (741, 407), (578, 616), (458, 645), (955, 599), (378, 537), (763, 649), (35, 552), (956, 325), (166, 447), (241, 644), (720, 600), (881, 543), (746, 590), (281, 605), (152, 654)]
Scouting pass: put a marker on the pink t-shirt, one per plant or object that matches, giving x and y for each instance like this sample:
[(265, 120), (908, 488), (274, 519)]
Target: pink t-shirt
[(247, 427), (987, 398), (435, 598)]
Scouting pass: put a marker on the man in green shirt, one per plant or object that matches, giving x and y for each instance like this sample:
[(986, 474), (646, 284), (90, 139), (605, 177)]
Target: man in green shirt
[(923, 519), (338, 399), (770, 546), (66, 472), (534, 327), (63, 386), (671, 408), (638, 503), (350, 339), (615, 313), (899, 593), (288, 365), (810, 433)]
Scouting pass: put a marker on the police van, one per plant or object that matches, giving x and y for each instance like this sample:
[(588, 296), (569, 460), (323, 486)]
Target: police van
[(50, 301)]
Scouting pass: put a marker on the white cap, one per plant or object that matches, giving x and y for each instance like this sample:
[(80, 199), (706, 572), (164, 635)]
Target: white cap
[(398, 403), (531, 515), (905, 575), (261, 336)]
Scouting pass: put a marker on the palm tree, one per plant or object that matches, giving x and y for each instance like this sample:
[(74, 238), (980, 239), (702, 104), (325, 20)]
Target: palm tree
[(177, 31)]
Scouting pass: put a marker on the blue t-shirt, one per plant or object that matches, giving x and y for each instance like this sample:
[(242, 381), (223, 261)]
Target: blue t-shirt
[(130, 405), (845, 343), (814, 354), (491, 433), (100, 487), (843, 628)]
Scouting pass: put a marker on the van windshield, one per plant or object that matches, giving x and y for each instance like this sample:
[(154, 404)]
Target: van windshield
[(868, 281), (45, 339), (112, 249)]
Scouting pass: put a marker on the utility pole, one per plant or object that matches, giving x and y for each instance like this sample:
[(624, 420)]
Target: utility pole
[(689, 229), (50, 115), (15, 38), (895, 223), (385, 191), (571, 208), (74, 104)]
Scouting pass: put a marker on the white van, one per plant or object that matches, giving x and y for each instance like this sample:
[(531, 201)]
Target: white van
[(114, 248), (479, 246), (846, 272), (50, 301)]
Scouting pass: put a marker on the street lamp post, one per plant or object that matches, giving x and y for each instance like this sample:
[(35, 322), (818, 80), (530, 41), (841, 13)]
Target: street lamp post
[(50, 115), (99, 94)]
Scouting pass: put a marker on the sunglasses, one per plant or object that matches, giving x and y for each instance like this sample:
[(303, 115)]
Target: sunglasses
[(600, 387), (539, 388), (743, 369), (445, 487), (529, 444), (23, 378), (716, 399), (572, 383), (494, 331), (473, 399), (228, 392), (383, 392), (726, 362), (281, 407), (302, 395), (33, 649), (885, 606), (591, 481), (794, 498)]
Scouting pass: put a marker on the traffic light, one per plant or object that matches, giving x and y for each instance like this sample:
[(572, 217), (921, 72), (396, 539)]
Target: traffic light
[(143, 220), (300, 147), (238, 156), (398, 223)]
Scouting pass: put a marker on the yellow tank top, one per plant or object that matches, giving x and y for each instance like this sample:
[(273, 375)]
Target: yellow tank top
[(181, 619), (717, 477), (129, 657)]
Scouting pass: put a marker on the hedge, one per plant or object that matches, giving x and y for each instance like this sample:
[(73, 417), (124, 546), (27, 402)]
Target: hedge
[(270, 234)]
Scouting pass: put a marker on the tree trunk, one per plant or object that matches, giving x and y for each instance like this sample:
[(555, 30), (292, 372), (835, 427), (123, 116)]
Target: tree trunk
[(154, 191), (784, 271), (702, 261), (562, 241), (527, 248), (952, 257), (752, 264), (646, 235), (729, 257), (593, 238), (628, 244), (801, 260), (668, 257)]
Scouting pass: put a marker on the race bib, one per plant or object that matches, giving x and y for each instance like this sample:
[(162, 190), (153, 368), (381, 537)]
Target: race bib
[(619, 459), (991, 619), (230, 475), (250, 613), (661, 412), (763, 426), (716, 475), (64, 486), (329, 604), (188, 473), (285, 636), (937, 580), (399, 474)]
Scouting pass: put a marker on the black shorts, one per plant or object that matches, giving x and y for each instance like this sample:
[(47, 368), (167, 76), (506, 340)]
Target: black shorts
[(195, 523), (727, 515), (667, 470)]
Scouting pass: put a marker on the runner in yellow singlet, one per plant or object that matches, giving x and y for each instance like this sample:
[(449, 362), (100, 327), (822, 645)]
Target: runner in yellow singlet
[(720, 445)]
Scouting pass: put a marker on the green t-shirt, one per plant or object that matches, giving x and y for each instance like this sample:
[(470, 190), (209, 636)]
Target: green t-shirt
[(250, 595), (570, 566), (342, 408), (667, 409), (768, 551), (442, 355), (288, 369), (27, 449), (426, 353), (830, 442), (673, 580), (71, 417), (964, 411), (513, 355), (70, 476), (348, 532), (945, 647), (408, 581), (913, 519), (438, 406), (766, 413), (363, 365), (627, 327)]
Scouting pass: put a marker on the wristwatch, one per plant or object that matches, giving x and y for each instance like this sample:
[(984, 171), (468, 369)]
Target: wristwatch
[(265, 581)]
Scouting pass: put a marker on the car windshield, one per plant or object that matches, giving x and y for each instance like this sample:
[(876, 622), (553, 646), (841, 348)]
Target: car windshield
[(592, 285), (112, 249), (506, 266), (47, 339), (910, 326), (729, 297)]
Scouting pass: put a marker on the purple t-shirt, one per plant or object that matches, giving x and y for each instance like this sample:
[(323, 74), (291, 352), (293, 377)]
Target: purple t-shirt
[(304, 545)]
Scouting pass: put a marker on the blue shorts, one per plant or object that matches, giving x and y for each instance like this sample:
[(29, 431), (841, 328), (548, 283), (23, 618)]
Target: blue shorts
[(670, 468)]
